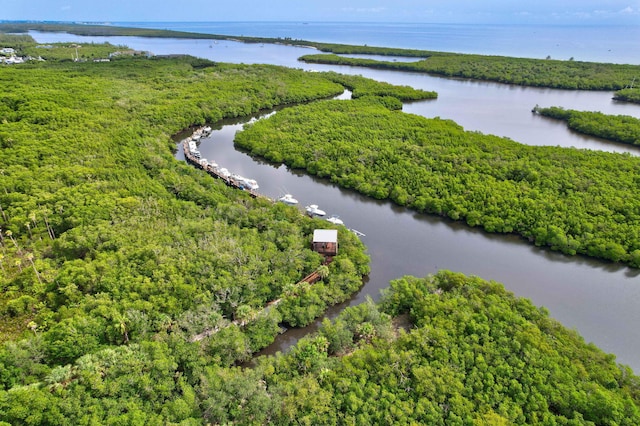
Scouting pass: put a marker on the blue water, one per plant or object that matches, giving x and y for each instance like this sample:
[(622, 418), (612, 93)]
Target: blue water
[(614, 44)]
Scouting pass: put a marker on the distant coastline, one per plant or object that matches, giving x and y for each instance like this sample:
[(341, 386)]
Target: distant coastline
[(607, 44), (561, 74)]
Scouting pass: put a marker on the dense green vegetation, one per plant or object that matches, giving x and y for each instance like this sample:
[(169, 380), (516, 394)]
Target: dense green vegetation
[(574, 201), (618, 128), (553, 73), (521, 71), (117, 257), (99, 30), (26, 46), (445, 349), (131, 283), (628, 95), (474, 354), (16, 41), (361, 87)]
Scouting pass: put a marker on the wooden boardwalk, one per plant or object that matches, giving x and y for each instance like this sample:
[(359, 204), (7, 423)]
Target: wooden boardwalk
[(214, 171)]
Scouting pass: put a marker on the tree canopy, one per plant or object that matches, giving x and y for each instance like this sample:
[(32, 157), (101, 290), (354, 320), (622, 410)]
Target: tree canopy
[(628, 95), (617, 128), (116, 255), (132, 284), (521, 71), (573, 201)]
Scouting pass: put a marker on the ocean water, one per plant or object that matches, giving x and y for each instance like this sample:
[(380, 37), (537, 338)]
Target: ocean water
[(613, 44)]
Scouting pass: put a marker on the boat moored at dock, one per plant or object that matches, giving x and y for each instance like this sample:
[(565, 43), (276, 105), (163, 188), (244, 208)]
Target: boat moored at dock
[(288, 199), (335, 220), (314, 210), (223, 172)]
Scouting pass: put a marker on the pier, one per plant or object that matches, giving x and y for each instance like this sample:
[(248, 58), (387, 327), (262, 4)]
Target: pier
[(192, 156)]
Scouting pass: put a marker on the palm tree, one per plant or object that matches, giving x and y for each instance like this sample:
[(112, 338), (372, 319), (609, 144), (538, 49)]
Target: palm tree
[(323, 271), (243, 314), (30, 259), (9, 234)]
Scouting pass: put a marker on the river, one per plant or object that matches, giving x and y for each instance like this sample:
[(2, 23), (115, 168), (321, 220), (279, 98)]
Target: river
[(598, 299)]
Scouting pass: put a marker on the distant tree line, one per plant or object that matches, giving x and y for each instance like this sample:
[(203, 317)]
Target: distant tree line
[(547, 72), (521, 71)]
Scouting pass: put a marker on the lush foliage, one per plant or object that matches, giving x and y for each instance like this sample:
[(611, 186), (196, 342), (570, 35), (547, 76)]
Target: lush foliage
[(628, 95), (574, 201), (361, 86), (446, 349), (99, 30), (26, 46), (16, 41), (520, 71), (618, 128), (130, 282), (123, 271)]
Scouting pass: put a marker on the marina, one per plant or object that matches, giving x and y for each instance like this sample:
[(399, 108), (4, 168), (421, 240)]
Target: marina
[(193, 156)]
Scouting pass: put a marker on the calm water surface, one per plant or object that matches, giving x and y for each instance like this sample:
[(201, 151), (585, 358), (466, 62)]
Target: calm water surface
[(598, 299), (606, 43)]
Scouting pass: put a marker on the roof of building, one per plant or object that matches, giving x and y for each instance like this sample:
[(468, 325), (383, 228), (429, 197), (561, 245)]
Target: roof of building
[(325, 236)]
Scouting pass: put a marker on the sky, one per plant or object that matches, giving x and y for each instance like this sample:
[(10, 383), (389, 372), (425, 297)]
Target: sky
[(578, 12)]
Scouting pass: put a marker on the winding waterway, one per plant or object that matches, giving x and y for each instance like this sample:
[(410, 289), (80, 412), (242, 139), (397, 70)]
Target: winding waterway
[(599, 299)]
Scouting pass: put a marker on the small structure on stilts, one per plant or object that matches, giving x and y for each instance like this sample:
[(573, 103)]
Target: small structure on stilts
[(325, 242)]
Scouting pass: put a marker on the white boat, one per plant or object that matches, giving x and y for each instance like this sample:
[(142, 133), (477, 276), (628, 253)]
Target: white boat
[(288, 199), (313, 210), (224, 173), (245, 182), (335, 220), (250, 183), (238, 178)]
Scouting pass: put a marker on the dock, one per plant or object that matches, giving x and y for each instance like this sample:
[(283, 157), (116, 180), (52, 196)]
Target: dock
[(192, 156)]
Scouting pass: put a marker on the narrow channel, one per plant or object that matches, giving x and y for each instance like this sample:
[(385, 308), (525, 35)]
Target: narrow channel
[(598, 299)]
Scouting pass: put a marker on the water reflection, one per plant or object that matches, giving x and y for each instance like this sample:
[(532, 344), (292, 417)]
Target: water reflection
[(591, 296)]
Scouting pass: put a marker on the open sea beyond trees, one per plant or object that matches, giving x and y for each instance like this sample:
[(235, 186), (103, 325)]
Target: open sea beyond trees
[(615, 44), (598, 299)]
